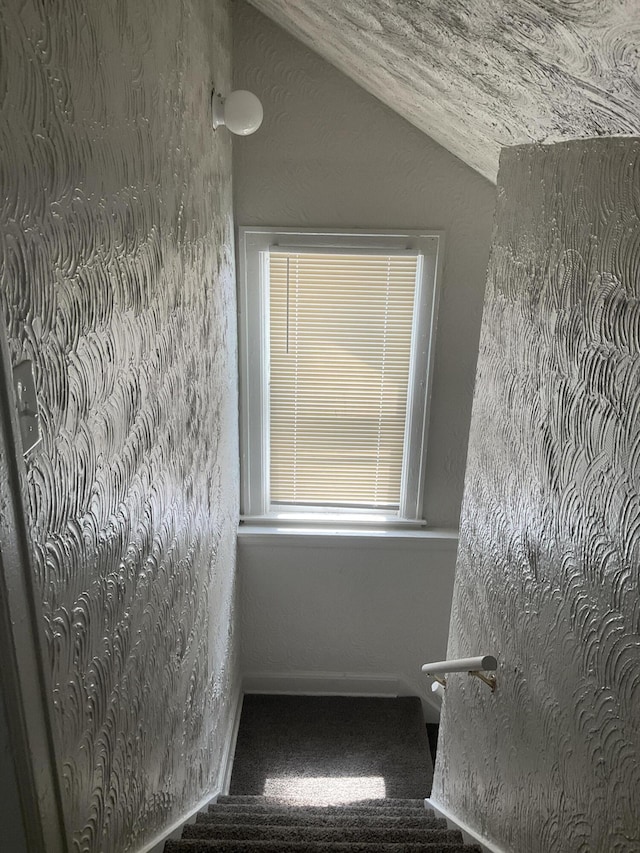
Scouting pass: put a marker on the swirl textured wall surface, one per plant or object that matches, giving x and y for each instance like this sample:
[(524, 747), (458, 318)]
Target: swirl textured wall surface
[(116, 255), (477, 75), (549, 558)]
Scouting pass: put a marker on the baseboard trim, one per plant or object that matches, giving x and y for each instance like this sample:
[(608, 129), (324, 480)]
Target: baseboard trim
[(230, 749), (174, 830), (470, 836), (319, 683)]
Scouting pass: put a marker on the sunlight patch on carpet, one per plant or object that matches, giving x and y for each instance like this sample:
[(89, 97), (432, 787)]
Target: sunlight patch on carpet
[(325, 790)]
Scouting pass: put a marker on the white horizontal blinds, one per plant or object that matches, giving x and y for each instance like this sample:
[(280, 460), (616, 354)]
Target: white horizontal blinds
[(340, 340)]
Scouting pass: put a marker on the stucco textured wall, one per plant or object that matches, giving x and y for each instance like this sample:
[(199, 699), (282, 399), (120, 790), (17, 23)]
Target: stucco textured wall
[(329, 154), (481, 74), (548, 565), (116, 257)]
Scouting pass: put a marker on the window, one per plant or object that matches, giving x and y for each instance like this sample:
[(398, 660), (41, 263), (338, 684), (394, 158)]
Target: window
[(336, 334)]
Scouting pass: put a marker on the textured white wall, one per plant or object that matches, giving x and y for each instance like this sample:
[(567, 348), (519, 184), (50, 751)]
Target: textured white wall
[(116, 257), (548, 575), (483, 74), (329, 154)]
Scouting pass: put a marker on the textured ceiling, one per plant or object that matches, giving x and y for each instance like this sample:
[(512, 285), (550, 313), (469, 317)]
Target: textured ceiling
[(477, 75)]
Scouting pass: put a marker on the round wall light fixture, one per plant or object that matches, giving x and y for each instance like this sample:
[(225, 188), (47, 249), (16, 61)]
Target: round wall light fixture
[(241, 112)]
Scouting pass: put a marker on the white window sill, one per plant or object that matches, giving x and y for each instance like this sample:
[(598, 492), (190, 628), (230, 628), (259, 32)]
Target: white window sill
[(261, 534)]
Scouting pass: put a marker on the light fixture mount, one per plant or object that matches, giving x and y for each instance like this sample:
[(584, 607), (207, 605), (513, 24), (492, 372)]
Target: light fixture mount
[(217, 110)]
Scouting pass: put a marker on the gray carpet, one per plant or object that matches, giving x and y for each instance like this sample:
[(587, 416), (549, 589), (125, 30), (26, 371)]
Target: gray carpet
[(378, 747), (318, 751), (259, 825)]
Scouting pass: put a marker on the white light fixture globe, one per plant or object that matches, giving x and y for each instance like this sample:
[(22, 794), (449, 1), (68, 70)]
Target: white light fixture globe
[(241, 112)]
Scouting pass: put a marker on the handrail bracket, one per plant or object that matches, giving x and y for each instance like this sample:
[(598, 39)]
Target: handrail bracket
[(488, 679)]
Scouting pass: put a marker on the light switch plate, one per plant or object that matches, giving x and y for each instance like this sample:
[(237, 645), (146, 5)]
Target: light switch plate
[(27, 405)]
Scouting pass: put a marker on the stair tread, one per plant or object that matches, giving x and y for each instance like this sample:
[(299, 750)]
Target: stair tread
[(282, 806), (256, 799), (321, 817), (273, 832)]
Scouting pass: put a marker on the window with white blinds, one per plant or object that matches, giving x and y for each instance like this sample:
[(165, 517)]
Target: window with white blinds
[(336, 334), (340, 333)]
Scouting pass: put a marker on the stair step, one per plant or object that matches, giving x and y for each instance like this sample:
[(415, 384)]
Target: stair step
[(281, 807), (320, 817), (300, 833), (256, 799), (198, 845)]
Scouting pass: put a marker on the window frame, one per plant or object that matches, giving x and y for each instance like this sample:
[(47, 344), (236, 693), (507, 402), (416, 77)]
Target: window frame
[(253, 352)]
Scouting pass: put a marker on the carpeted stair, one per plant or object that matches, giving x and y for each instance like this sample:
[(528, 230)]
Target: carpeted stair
[(336, 743), (254, 824)]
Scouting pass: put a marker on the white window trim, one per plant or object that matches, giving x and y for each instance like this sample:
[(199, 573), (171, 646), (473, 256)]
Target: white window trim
[(253, 320)]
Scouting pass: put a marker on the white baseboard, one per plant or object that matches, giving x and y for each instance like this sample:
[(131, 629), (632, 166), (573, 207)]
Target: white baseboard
[(174, 831), (470, 836), (230, 749), (318, 683), (314, 683)]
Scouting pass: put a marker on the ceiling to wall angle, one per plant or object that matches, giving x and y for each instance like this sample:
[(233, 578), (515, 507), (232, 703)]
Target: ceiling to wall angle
[(478, 75)]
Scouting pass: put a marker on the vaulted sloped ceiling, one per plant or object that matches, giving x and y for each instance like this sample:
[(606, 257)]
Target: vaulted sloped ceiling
[(477, 75)]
